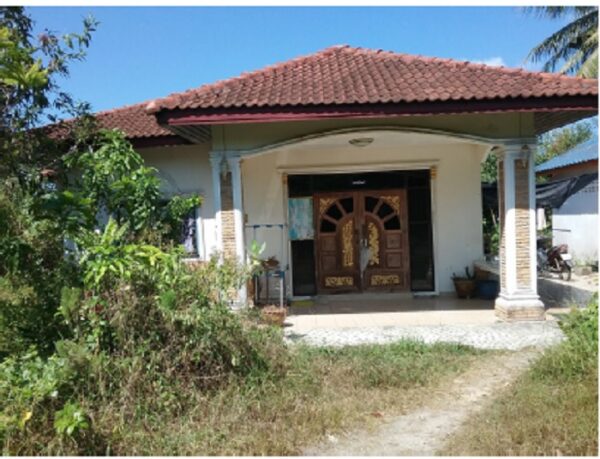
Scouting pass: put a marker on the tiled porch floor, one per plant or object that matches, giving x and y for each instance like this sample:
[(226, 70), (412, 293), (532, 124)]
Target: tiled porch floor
[(387, 302), (391, 310)]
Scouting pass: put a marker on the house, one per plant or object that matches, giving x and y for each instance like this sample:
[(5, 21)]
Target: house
[(575, 221), (360, 169)]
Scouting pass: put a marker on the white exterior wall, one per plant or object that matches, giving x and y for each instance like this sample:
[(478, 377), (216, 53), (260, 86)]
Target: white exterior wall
[(576, 223), (185, 169), (457, 209)]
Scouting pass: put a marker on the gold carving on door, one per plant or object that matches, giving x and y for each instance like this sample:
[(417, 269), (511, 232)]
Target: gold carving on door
[(382, 279), (324, 204), (393, 201), (373, 244), (348, 244), (339, 281)]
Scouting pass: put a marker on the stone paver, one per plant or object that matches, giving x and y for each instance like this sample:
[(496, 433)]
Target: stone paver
[(510, 336)]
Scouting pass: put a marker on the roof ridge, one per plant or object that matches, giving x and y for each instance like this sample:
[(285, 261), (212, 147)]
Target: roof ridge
[(123, 107), (467, 63)]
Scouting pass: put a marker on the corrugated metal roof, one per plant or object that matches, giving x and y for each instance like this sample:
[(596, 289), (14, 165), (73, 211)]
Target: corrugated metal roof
[(586, 151)]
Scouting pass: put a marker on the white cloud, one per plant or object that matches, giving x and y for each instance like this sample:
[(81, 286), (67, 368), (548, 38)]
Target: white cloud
[(491, 61)]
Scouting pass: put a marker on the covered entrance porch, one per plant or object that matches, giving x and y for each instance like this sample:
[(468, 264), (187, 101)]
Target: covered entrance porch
[(376, 218), (399, 216)]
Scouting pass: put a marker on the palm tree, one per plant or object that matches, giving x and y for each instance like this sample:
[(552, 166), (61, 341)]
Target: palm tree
[(575, 45)]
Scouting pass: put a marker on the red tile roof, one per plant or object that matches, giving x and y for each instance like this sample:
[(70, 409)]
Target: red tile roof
[(346, 75), (133, 120)]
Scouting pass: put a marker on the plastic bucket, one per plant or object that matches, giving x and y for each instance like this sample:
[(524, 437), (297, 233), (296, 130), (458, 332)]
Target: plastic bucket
[(487, 289)]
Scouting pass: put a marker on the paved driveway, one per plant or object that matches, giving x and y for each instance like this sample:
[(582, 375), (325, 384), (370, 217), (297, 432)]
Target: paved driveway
[(498, 335)]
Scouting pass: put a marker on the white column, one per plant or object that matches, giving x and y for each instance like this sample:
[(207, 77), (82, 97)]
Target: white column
[(216, 159), (532, 221), (510, 235), (238, 217), (200, 241), (238, 208), (518, 299)]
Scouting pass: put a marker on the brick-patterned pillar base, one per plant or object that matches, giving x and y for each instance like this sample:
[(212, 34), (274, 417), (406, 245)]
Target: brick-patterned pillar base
[(518, 299), (227, 217)]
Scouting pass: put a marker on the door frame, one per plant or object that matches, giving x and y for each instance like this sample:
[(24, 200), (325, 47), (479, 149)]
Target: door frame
[(428, 164)]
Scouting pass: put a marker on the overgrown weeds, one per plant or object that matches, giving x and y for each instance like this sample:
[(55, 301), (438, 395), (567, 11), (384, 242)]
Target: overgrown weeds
[(552, 409), (141, 410)]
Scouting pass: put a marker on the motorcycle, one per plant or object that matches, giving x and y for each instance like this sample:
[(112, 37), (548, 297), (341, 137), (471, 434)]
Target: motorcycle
[(555, 259)]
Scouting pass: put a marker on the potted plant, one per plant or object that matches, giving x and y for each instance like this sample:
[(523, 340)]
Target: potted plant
[(464, 286)]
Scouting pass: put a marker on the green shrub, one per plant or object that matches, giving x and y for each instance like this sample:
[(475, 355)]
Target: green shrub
[(70, 420), (577, 356), (33, 269), (30, 386)]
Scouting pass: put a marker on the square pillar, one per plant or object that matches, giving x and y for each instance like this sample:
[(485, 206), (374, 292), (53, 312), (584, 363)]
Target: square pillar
[(237, 207), (216, 160), (227, 188), (518, 298)]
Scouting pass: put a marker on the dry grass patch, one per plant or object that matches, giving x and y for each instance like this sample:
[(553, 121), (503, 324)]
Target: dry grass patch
[(324, 391), (534, 418), (551, 410)]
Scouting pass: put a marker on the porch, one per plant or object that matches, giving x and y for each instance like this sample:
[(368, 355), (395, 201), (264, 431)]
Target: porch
[(393, 310), (386, 303), (384, 209), (352, 321), (386, 310)]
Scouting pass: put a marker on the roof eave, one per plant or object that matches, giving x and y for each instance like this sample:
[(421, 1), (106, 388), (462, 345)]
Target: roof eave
[(158, 141), (231, 115), (553, 170)]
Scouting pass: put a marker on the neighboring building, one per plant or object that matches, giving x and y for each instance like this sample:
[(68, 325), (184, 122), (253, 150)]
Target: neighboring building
[(360, 169), (575, 222)]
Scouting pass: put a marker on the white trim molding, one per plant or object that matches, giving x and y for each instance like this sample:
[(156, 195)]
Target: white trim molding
[(373, 130), (425, 164)]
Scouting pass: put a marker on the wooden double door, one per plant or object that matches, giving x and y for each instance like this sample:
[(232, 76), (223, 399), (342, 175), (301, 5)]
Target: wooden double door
[(362, 241)]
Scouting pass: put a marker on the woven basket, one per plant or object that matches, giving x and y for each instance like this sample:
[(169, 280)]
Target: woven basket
[(465, 288), (274, 315)]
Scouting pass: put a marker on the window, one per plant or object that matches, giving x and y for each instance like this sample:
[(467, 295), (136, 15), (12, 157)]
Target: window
[(189, 234), (186, 233)]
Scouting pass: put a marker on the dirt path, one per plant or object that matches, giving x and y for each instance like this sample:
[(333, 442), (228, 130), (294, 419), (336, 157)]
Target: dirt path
[(423, 431)]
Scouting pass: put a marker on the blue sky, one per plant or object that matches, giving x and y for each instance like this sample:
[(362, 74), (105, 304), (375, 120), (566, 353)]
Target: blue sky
[(142, 53)]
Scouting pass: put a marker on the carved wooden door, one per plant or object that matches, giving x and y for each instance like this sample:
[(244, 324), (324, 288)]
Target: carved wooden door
[(337, 242), (384, 240), (362, 241)]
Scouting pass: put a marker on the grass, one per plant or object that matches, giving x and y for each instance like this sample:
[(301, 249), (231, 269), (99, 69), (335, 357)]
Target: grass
[(324, 391), (551, 410)]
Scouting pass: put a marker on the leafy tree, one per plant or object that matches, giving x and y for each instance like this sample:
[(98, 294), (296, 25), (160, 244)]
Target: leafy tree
[(575, 45), (30, 95), (56, 182), (559, 141), (32, 263)]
